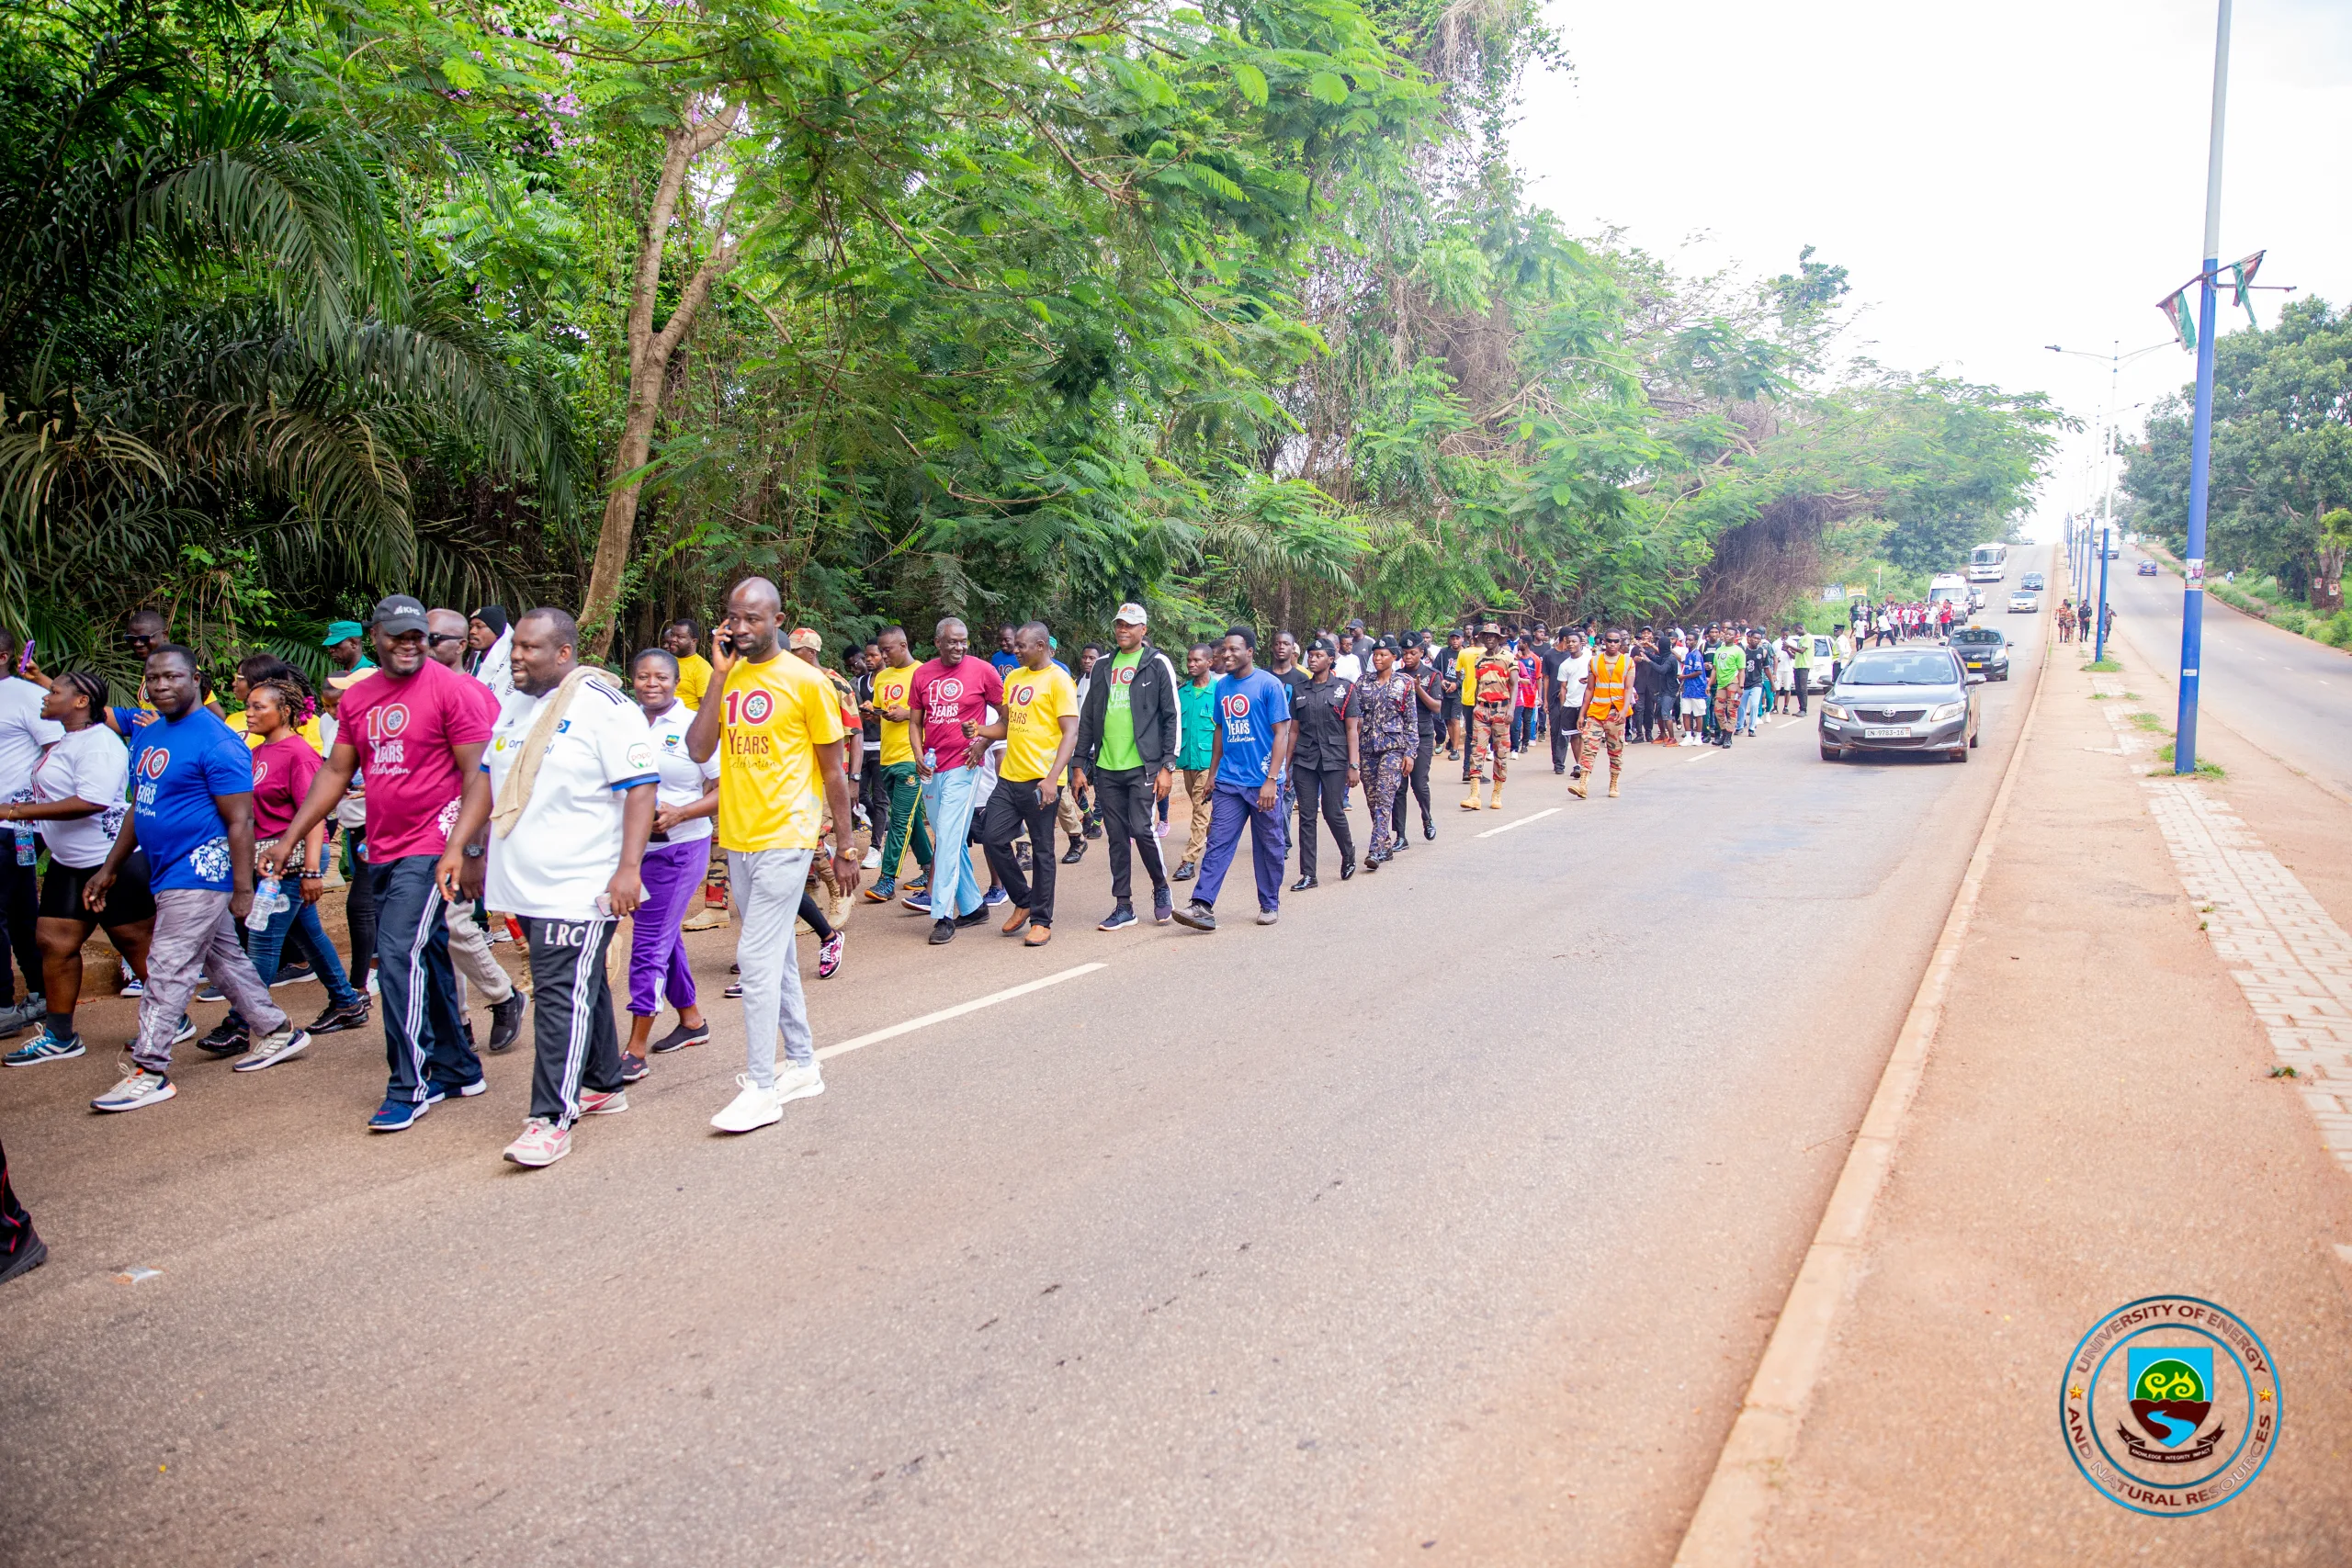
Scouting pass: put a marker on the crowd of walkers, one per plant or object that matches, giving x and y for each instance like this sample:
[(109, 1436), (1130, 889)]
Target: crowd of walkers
[(468, 781)]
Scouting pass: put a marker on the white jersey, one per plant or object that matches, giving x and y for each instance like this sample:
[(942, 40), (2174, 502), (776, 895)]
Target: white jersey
[(684, 780), (560, 855), (93, 764)]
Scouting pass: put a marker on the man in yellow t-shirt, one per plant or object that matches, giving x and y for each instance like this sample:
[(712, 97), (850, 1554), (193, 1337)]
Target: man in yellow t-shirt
[(1038, 725), (775, 724), (900, 796), (681, 638)]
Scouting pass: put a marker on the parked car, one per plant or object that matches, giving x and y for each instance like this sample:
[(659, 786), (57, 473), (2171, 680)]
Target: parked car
[(1824, 654), (2024, 603), (2147, 568), (1983, 650), (1902, 699), (2032, 580)]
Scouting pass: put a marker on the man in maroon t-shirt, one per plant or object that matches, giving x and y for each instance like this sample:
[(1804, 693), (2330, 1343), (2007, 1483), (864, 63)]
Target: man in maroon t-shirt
[(417, 728), (948, 701)]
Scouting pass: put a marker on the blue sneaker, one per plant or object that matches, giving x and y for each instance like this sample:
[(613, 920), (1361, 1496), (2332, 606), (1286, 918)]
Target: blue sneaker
[(992, 898), (1119, 919), (132, 986), (918, 902), (395, 1116), (882, 892), (46, 1047), (438, 1089)]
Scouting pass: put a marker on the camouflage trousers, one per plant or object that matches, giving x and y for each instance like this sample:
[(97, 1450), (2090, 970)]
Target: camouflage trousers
[(1489, 737), (1384, 777), (1599, 732)]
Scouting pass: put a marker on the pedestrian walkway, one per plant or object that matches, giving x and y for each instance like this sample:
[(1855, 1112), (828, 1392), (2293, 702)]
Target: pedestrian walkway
[(2098, 1122)]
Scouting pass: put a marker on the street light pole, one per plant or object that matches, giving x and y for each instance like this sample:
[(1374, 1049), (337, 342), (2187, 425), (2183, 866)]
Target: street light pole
[(2099, 651), (2200, 449)]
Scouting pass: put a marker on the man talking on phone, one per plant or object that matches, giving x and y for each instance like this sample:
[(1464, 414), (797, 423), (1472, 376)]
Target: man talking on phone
[(565, 790)]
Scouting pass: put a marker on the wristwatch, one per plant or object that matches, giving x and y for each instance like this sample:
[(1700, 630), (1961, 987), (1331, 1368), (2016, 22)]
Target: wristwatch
[(473, 851)]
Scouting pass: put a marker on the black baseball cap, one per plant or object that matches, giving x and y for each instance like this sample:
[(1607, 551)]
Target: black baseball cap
[(397, 614)]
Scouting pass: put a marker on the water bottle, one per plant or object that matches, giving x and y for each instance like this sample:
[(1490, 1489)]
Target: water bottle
[(931, 759), (24, 831), (268, 898)]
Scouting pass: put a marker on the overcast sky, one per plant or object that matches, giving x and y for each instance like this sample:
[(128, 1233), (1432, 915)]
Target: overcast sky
[(1997, 175)]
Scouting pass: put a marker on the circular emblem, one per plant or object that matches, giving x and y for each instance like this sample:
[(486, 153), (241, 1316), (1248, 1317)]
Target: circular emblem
[(261, 769), (1023, 692), (757, 705), (1238, 706), (157, 759), (1124, 677), (950, 688), (394, 720), (2170, 1406), (640, 755)]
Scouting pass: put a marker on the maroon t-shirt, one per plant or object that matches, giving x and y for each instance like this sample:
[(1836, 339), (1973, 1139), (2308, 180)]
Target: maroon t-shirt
[(405, 731), (948, 697), (282, 775)]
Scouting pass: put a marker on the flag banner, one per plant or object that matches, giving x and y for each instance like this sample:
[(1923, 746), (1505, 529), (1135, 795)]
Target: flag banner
[(2177, 311), (2243, 271)]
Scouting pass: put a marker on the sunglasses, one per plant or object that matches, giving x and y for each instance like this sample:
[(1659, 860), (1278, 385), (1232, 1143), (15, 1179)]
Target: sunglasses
[(437, 638)]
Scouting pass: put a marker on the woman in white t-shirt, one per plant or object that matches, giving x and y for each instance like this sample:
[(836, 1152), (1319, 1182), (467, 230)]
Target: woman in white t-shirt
[(677, 857), (80, 784)]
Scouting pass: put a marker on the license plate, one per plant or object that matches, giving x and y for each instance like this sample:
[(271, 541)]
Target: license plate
[(1900, 732)]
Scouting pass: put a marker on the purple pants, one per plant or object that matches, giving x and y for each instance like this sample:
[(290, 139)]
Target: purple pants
[(1228, 809), (673, 874)]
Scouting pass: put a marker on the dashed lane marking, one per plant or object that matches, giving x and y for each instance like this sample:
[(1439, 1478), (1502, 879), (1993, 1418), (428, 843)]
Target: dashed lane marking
[(1522, 822), (958, 1011)]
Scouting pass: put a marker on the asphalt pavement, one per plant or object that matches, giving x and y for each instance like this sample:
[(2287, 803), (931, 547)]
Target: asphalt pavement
[(2286, 694), (1444, 1220)]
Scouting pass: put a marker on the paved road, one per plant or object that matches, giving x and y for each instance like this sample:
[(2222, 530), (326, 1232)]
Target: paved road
[(2286, 694), (1443, 1221)]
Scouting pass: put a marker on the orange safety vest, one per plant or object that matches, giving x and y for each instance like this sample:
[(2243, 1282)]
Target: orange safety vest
[(1608, 699)]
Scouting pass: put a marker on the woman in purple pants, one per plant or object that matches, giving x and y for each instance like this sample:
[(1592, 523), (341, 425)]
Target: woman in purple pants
[(675, 859)]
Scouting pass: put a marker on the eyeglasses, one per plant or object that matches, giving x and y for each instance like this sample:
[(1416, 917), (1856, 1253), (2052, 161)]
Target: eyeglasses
[(437, 638)]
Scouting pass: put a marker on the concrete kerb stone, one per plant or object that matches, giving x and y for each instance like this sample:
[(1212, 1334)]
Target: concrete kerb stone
[(1728, 1524)]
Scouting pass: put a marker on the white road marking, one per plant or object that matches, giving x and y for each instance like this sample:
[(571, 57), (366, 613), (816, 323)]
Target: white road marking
[(958, 1011), (1547, 811)]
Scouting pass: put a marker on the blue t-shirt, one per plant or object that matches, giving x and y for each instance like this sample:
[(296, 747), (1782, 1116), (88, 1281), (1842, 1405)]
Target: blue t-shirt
[(1694, 674), (1249, 707), (177, 767)]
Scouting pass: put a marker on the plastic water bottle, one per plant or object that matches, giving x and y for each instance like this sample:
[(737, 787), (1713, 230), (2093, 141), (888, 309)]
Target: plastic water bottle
[(268, 898), (25, 840), (931, 759)]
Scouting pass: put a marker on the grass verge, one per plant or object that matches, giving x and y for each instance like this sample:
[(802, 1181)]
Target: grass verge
[(2204, 770)]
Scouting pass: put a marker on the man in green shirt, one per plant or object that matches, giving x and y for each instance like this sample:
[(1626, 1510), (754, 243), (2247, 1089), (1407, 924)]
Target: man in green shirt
[(1195, 750), (1127, 732), (1731, 670)]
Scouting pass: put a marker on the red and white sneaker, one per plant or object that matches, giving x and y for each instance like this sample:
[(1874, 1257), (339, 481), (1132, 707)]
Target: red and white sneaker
[(598, 1102), (542, 1143)]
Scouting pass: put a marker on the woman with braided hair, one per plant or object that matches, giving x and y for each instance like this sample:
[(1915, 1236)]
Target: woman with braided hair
[(79, 786), (284, 766)]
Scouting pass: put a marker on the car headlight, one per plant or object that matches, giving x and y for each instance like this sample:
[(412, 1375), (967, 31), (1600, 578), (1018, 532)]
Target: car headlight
[(1831, 710), (1947, 713)]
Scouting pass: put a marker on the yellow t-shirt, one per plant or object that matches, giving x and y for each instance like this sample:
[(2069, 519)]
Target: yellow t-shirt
[(1036, 702), (1466, 665), (694, 679), (776, 714), (308, 730), (890, 688)]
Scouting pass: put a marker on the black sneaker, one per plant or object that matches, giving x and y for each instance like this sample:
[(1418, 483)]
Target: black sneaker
[(229, 1038), (507, 1023), (633, 1066), (1119, 919), (1197, 915), (29, 1257), (1094, 826), (1163, 905), (1184, 873), (209, 992), (734, 992), (942, 932), (680, 1037), (975, 917), (1077, 853), (336, 1020), (294, 973)]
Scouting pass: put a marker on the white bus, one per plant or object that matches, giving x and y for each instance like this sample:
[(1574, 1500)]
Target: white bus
[(1988, 563)]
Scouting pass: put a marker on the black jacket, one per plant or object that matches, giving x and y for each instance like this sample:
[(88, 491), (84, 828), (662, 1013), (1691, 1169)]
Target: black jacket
[(1152, 704)]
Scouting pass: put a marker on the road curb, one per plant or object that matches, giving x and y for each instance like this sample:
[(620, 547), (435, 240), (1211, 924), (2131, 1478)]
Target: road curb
[(1729, 1527)]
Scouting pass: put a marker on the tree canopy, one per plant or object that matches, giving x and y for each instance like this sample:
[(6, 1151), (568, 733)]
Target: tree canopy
[(1002, 309)]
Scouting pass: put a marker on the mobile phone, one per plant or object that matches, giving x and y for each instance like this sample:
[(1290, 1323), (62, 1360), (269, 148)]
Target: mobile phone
[(724, 643), (24, 660)]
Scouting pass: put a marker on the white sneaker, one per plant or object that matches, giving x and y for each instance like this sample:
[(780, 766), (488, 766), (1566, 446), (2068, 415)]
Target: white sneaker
[(754, 1108), (798, 1083), (271, 1049), (872, 861), (542, 1144), (139, 1087)]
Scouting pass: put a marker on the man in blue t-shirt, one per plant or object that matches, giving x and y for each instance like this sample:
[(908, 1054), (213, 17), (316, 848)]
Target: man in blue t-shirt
[(1254, 732), (192, 812)]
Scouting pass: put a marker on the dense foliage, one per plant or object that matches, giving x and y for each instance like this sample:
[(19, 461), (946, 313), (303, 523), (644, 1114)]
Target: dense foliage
[(994, 306), (2280, 498)]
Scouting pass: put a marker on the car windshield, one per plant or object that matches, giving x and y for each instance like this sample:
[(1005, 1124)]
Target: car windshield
[(1894, 669), (1977, 634)]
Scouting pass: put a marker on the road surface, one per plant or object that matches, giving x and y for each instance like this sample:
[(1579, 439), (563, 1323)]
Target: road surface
[(1442, 1222), (2286, 694)]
